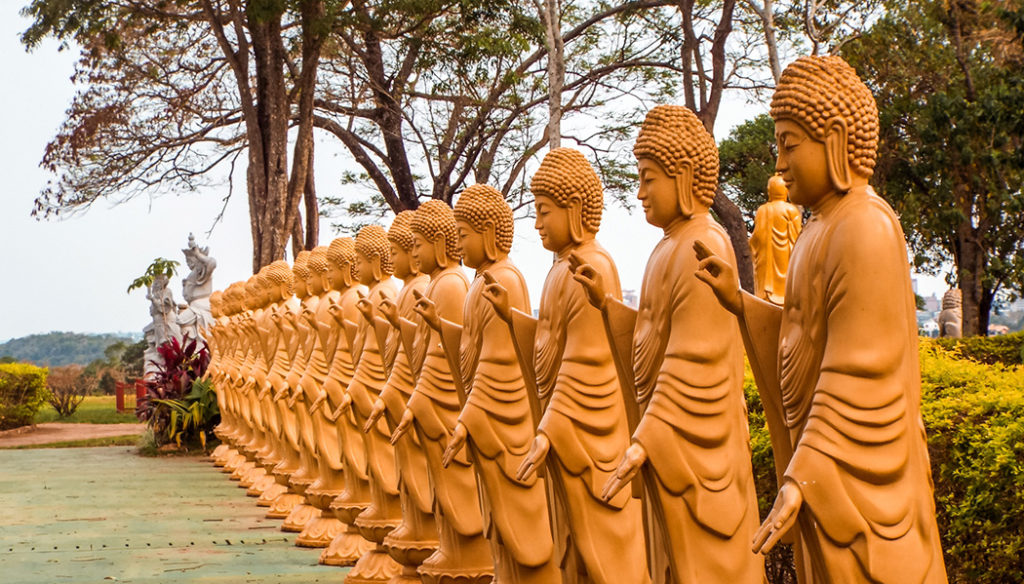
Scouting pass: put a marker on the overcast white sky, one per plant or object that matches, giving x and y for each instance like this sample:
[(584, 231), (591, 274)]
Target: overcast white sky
[(71, 274)]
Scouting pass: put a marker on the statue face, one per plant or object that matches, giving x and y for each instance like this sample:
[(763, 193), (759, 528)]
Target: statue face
[(315, 284), (659, 193), (402, 262), (423, 253), (299, 286), (364, 269), (335, 277), (552, 224), (474, 252), (802, 164)]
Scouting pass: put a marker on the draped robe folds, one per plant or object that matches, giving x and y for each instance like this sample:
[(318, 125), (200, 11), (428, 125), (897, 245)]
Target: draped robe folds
[(688, 362), (498, 419), (410, 462), (850, 390), (435, 405), (585, 422), (364, 388), (776, 227), (328, 333)]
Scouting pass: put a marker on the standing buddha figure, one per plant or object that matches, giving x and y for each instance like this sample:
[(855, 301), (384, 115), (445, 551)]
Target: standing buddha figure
[(691, 443), (415, 537), (776, 227), (350, 457), (583, 431), (497, 420), (837, 365), (463, 554)]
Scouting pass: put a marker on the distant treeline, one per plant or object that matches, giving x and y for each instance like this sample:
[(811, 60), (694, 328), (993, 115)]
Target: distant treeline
[(56, 348)]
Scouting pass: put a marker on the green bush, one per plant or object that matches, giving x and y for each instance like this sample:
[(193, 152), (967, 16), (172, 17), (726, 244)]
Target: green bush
[(974, 416), (999, 349), (22, 392)]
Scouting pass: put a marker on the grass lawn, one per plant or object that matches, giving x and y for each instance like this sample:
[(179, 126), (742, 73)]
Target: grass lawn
[(100, 409), (129, 440)]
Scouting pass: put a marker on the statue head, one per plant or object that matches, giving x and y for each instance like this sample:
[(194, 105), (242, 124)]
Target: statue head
[(777, 190), (678, 165), (301, 274), (373, 255), (215, 310), (568, 199), (318, 268), (279, 281), (485, 225), (826, 127), (251, 293), (341, 254), (435, 237), (952, 299), (400, 236)]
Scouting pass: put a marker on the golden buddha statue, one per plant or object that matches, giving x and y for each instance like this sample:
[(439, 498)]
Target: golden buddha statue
[(837, 364), (776, 227), (348, 546), (324, 527), (415, 537), (279, 336), (378, 515), (691, 443), (463, 554), (301, 343), (583, 430), (496, 411)]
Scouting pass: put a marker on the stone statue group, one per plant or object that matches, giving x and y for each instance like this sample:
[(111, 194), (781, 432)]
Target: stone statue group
[(440, 433), (180, 321)]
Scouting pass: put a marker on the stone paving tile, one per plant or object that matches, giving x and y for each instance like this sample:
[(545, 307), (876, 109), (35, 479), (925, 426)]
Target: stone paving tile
[(93, 515)]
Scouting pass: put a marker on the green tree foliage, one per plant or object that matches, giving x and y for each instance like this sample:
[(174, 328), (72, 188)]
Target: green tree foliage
[(951, 161), (974, 418), (59, 348), (160, 267), (22, 392), (68, 385), (747, 161)]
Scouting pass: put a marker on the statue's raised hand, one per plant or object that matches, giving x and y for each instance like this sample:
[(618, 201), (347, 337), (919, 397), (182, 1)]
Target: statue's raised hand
[(634, 458), (455, 444), (375, 414), (720, 276), (498, 297), (426, 308), (590, 279), (390, 311), (403, 426), (781, 518), (364, 305), (534, 458)]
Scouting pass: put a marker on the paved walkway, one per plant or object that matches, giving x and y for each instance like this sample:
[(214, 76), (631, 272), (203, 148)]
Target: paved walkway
[(95, 515), (52, 432)]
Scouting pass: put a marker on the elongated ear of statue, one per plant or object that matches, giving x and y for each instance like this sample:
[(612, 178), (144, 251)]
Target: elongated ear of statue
[(490, 241), (378, 273), (836, 156), (575, 208), (440, 251), (684, 188)]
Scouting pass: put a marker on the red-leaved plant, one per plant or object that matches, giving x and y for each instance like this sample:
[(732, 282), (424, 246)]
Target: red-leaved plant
[(183, 363)]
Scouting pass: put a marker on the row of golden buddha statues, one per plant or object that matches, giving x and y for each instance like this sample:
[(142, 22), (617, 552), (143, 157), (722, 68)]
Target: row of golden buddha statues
[(440, 433)]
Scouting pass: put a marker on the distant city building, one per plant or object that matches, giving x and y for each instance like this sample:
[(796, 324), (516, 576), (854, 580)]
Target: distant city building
[(629, 298)]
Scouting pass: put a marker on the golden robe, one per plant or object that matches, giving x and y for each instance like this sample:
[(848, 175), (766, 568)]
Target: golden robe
[(500, 425), (688, 360), (585, 421), (849, 392)]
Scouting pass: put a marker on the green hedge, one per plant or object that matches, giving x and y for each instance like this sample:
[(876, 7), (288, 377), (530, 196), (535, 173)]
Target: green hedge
[(22, 392), (974, 416), (999, 349)]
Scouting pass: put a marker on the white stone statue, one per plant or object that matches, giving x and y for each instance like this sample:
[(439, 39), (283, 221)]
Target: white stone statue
[(164, 311), (196, 288)]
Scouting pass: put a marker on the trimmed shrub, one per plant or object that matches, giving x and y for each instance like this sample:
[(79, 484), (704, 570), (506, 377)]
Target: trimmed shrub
[(22, 392), (999, 349), (974, 417)]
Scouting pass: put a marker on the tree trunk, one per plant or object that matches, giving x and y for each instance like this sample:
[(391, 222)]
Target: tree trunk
[(731, 218), (971, 266), (552, 11), (272, 115)]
